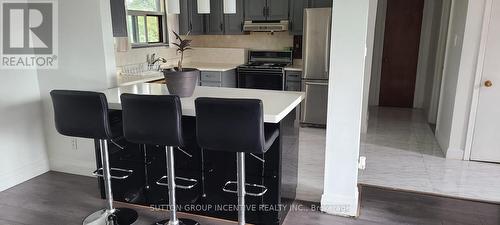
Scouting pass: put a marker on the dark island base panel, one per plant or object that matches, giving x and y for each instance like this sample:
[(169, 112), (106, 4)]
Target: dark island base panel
[(278, 173)]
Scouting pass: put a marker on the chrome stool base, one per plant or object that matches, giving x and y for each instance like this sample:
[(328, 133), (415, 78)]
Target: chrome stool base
[(121, 216), (182, 221)]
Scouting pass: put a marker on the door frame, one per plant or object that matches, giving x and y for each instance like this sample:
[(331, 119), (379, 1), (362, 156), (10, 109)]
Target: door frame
[(477, 79), (440, 60)]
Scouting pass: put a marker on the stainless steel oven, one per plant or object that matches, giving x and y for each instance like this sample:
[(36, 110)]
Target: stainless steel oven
[(268, 79), (264, 70)]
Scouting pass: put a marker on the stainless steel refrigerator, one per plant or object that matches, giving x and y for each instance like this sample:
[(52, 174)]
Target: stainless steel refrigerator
[(316, 56)]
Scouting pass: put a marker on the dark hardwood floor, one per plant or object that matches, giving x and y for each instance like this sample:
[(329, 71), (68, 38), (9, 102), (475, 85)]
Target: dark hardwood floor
[(63, 199)]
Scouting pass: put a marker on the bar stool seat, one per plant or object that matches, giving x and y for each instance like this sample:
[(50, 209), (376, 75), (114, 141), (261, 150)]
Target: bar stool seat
[(157, 120), (85, 114), (235, 125)]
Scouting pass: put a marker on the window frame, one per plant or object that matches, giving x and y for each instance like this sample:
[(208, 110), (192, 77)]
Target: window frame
[(162, 26)]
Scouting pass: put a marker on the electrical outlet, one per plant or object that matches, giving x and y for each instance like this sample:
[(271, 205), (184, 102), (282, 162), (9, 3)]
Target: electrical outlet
[(74, 143), (362, 163)]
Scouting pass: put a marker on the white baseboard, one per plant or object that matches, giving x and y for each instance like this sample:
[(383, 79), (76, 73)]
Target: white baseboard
[(72, 167), (340, 205), (455, 153), (23, 173)]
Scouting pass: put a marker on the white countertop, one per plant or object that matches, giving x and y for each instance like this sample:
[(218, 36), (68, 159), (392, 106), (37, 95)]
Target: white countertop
[(203, 66), (294, 68), (125, 80), (277, 104)]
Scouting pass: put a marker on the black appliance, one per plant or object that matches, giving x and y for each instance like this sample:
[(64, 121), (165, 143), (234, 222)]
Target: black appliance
[(264, 70)]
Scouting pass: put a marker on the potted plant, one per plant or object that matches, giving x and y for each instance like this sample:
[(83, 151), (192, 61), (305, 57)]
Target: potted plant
[(181, 81)]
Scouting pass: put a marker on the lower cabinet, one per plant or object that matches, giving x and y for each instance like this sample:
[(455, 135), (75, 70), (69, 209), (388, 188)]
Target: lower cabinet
[(293, 80), (218, 78)]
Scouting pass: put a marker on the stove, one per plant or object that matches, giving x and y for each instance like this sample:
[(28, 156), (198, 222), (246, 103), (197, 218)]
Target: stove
[(265, 65), (264, 70)]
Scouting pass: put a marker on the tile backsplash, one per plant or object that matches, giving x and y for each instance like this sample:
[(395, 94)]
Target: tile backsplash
[(138, 55), (257, 41), (218, 55), (231, 49), (202, 55)]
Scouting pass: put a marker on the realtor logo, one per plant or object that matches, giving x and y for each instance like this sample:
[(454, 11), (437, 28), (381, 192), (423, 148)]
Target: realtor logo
[(29, 37)]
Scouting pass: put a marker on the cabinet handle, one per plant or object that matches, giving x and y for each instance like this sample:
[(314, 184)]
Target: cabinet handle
[(221, 27)]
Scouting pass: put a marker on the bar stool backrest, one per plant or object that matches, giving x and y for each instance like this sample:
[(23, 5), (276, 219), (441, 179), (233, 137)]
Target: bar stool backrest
[(152, 119), (230, 125), (81, 114)]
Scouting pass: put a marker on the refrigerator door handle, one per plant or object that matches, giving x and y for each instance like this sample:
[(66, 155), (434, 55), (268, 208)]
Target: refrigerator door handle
[(316, 83), (305, 46), (328, 46)]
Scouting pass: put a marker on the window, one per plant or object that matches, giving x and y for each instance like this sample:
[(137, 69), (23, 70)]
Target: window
[(146, 22)]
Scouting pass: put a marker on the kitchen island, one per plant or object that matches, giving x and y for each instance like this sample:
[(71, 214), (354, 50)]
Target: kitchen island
[(208, 171)]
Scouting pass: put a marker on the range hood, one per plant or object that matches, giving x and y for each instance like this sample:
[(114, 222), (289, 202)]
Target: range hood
[(266, 26)]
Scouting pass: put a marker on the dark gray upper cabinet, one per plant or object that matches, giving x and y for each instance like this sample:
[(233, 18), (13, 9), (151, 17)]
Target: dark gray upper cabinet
[(297, 12), (189, 19), (184, 20), (197, 21), (320, 3), (215, 20), (297, 16), (277, 9), (255, 10), (234, 22), (119, 18), (266, 9)]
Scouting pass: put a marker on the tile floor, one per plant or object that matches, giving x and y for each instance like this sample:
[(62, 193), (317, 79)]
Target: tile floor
[(402, 153)]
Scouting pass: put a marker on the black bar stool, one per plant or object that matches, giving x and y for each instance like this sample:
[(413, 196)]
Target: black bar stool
[(157, 120), (85, 114), (234, 125)]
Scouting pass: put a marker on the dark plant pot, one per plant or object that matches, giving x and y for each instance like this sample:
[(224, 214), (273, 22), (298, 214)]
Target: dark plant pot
[(181, 83)]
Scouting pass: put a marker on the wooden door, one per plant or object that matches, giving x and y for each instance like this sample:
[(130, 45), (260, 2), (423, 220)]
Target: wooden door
[(400, 56), (487, 127)]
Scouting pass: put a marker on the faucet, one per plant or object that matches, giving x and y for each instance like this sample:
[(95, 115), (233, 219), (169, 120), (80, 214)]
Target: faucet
[(153, 60)]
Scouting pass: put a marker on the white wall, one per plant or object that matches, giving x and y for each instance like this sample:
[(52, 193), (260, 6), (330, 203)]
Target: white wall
[(427, 53), (435, 62), (345, 98), (86, 62), (460, 66), (370, 41), (432, 109), (23, 147)]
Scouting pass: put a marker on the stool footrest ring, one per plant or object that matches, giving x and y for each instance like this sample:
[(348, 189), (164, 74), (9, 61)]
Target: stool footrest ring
[(227, 188), (120, 174), (163, 181)]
